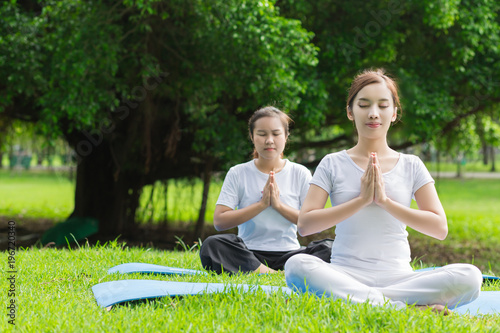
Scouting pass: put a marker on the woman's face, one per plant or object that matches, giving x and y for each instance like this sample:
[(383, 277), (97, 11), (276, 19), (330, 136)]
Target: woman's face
[(373, 110), (269, 137)]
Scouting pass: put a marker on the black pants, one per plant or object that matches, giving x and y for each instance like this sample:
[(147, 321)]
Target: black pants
[(228, 253)]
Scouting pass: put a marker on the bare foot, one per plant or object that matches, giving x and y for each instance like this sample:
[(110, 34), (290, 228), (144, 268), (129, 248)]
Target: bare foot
[(437, 308), (263, 269)]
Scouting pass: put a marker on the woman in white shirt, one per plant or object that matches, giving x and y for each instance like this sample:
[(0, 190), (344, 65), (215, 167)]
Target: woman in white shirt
[(262, 198), (371, 187)]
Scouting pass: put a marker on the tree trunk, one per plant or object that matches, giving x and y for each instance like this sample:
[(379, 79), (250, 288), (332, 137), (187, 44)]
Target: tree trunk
[(207, 177), (460, 159), (492, 149), (438, 163), (105, 193), (485, 149)]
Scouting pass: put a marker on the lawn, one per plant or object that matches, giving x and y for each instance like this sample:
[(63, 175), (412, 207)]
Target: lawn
[(36, 194), (53, 294), (471, 206), (53, 286)]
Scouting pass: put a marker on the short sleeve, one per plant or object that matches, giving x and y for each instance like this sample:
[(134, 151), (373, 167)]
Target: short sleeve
[(229, 192), (421, 175), (323, 175), (305, 180)]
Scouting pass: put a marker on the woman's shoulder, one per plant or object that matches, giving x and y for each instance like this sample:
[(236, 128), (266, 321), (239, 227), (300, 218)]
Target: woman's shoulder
[(243, 167), (336, 157), (295, 166), (412, 161), (410, 158), (297, 170)]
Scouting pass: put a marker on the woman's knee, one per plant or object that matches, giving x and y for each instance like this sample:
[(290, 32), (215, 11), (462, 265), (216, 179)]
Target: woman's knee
[(468, 276), (475, 277), (211, 244), (300, 265), (205, 246), (295, 262)]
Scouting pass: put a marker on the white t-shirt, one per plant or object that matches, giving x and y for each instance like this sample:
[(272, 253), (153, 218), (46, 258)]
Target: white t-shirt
[(269, 230), (371, 238)]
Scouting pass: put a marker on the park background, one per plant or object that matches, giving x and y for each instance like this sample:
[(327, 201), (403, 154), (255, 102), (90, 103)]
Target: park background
[(130, 112)]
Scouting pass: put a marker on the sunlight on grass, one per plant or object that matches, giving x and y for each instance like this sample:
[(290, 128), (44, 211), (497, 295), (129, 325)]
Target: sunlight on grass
[(58, 298), (54, 284), (36, 195)]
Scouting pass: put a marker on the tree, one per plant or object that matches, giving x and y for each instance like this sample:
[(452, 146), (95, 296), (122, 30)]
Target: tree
[(147, 90), (444, 53)]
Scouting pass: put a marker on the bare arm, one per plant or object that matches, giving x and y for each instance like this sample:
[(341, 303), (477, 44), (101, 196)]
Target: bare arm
[(227, 218), (289, 213), (429, 219), (314, 217)]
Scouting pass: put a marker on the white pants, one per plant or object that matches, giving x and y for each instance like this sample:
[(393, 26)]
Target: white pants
[(448, 285)]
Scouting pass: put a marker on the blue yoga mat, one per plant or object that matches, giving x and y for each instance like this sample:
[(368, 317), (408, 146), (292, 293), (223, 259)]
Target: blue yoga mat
[(488, 302), (115, 292), (136, 267), (485, 277)]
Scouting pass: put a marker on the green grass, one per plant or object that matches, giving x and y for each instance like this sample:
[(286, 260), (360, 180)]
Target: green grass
[(471, 206), (51, 195), (473, 225), (469, 166), (53, 294), (53, 286), (36, 194)]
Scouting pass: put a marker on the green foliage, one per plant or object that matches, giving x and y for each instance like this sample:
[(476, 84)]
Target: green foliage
[(441, 14), (174, 82), (444, 53), (64, 58), (180, 203)]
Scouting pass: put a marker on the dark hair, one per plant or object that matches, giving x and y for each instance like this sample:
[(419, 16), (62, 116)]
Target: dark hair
[(370, 76), (268, 111)]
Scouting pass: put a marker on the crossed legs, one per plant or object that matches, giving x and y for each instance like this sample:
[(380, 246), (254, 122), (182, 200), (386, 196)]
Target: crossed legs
[(446, 286)]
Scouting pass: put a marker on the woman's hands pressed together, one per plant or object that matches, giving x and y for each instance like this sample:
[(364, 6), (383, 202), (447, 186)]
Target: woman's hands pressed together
[(372, 183), (271, 193), (271, 197), (429, 219)]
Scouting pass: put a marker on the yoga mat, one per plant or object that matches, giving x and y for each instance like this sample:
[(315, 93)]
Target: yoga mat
[(485, 277), (115, 292), (136, 267), (488, 302)]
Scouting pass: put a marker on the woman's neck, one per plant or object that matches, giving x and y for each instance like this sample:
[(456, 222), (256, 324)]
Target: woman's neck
[(365, 147), (267, 166)]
